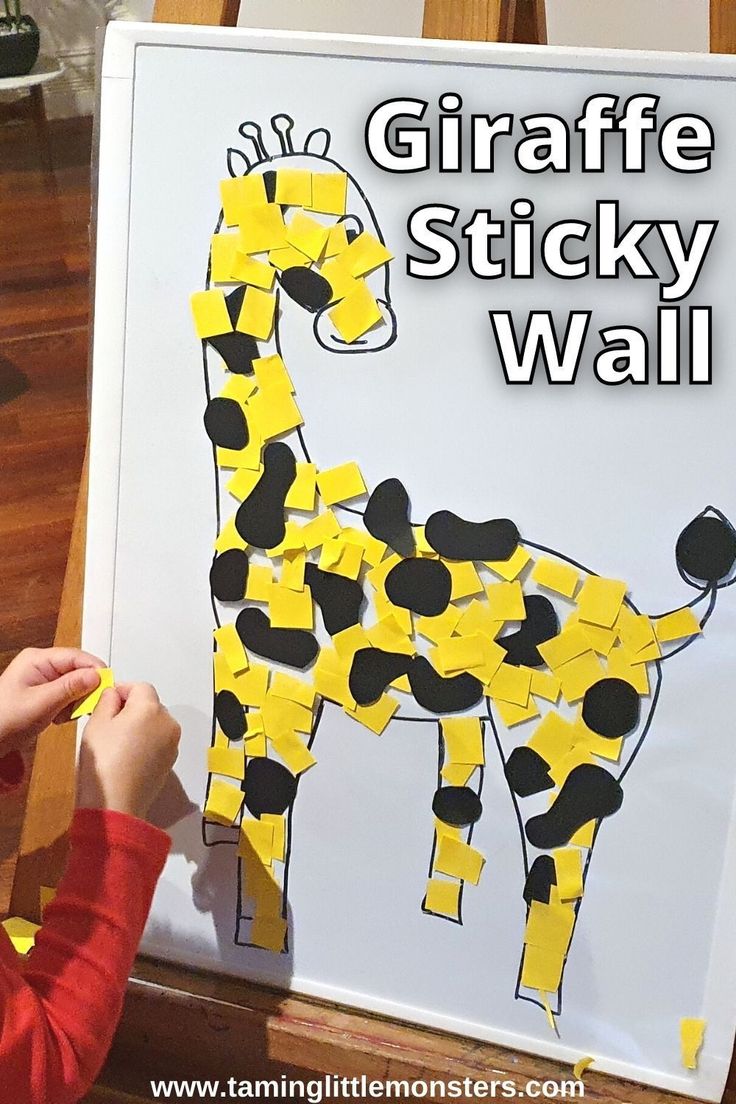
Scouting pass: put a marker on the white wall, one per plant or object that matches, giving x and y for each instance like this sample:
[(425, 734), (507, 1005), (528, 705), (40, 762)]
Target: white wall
[(634, 24), (388, 17)]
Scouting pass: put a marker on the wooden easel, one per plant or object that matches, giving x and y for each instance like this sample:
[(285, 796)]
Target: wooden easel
[(181, 1024)]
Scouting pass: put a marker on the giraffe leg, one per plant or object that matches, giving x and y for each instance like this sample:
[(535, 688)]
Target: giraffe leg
[(457, 807)]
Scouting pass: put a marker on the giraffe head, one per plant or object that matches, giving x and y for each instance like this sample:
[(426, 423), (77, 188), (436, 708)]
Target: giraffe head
[(306, 289)]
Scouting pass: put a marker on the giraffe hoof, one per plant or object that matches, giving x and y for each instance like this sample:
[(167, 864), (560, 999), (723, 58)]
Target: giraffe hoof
[(588, 793)]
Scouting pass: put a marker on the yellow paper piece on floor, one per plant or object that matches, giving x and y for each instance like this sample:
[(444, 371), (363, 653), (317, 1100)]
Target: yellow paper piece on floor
[(263, 229), (443, 898), (230, 644), (357, 313), (459, 860), (511, 684), (291, 609), (562, 578), (549, 926), (599, 600), (365, 253), (621, 665), (463, 738), (339, 279), (511, 568), (675, 625), (465, 580), (552, 738), (544, 685), (257, 313), (270, 371), (224, 802), (458, 774), (440, 627), (581, 1066), (567, 645), (288, 257), (209, 311), (329, 194), (569, 872), (294, 187), (512, 714), (22, 933), (341, 483), (692, 1033), (89, 704), (578, 675), (302, 492), (292, 689), (240, 193), (278, 850), (307, 235), (584, 836), (275, 411), (337, 240), (252, 685), (376, 716), (459, 653), (322, 528), (247, 270), (227, 761), (542, 969), (506, 601), (295, 753), (223, 249), (256, 836), (268, 933)]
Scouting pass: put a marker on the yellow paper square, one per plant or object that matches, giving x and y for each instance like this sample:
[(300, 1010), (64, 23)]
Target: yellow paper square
[(552, 738), (567, 645), (292, 689), (511, 684), (275, 411), (506, 601), (291, 609), (621, 665), (459, 860), (376, 716), (302, 492), (465, 580), (209, 311), (476, 618), (341, 483), (322, 528), (365, 253), (463, 737), (459, 653), (257, 313), (692, 1033), (252, 685), (443, 897), (512, 714), (263, 229), (339, 279), (357, 313), (227, 761), (673, 626), (224, 802), (223, 249), (270, 371), (288, 257), (295, 753), (278, 823), (307, 235), (550, 926), (545, 685), (350, 640), (89, 704), (562, 578), (584, 836), (578, 675), (256, 837), (269, 933), (337, 240), (511, 568), (238, 194), (230, 644), (247, 270), (229, 537), (569, 873), (294, 187), (243, 483), (599, 600), (439, 627), (329, 193), (458, 774), (542, 969)]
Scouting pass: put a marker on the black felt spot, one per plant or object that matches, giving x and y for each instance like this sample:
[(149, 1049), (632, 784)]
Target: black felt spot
[(457, 539), (442, 695), (294, 647), (540, 879), (269, 180), (420, 585), (230, 714), (238, 350), (541, 623), (340, 600), (229, 575), (372, 670), (387, 517), (527, 772), (307, 288), (588, 793), (706, 549), (260, 519), (351, 234), (611, 707), (457, 805), (225, 423), (268, 787), (234, 302)]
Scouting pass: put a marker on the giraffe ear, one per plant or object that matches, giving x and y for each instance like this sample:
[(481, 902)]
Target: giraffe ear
[(318, 142), (237, 162)]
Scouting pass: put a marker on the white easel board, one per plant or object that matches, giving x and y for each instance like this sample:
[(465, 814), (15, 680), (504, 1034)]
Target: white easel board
[(606, 475)]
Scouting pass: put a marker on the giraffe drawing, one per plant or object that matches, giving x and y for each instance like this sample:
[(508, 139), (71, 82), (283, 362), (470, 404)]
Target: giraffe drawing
[(328, 594)]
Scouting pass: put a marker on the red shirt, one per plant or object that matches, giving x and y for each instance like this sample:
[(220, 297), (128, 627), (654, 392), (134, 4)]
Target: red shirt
[(59, 1007)]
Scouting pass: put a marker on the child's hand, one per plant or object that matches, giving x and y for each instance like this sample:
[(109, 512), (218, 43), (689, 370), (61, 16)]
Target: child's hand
[(40, 686), (128, 748)]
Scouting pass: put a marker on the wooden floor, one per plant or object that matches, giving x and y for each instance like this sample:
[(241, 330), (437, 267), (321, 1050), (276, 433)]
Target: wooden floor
[(44, 315)]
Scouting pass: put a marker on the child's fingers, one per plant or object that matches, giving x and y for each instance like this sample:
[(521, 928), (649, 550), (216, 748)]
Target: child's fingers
[(140, 694), (48, 664), (110, 704), (50, 699)]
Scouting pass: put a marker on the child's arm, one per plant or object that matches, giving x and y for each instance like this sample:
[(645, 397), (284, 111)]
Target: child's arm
[(59, 1008)]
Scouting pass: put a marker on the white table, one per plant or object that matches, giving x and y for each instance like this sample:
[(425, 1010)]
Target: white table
[(44, 71)]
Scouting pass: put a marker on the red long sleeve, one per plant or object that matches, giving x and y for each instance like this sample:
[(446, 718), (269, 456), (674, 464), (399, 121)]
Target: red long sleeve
[(60, 1007)]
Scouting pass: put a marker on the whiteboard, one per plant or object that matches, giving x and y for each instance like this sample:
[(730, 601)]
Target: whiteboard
[(608, 476)]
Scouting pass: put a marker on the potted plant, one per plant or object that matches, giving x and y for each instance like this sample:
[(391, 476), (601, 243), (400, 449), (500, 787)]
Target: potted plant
[(19, 41)]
